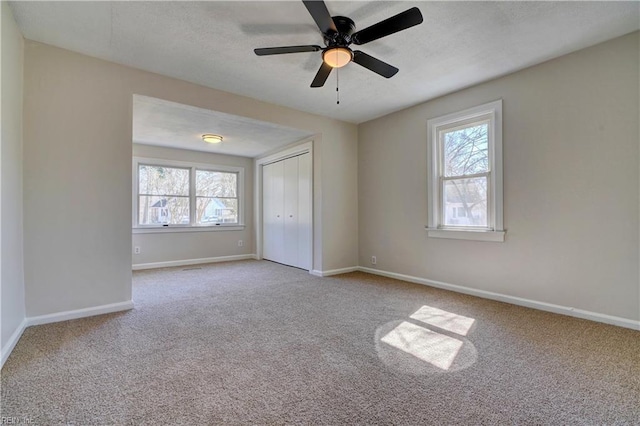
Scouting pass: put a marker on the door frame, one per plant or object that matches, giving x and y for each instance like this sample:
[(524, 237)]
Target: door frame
[(293, 151)]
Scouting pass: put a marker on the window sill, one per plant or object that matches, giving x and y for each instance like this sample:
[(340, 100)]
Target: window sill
[(164, 229), (463, 234)]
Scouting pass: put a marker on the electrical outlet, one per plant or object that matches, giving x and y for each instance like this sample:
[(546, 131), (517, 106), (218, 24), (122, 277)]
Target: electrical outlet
[(136, 250), (240, 243), (373, 260)]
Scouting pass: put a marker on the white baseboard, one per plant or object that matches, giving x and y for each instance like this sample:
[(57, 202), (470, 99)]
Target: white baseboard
[(79, 313), (11, 343), (330, 272), (558, 309), (186, 262)]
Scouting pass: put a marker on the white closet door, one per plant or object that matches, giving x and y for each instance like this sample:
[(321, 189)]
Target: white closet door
[(304, 211), (286, 211), (291, 211), (273, 212)]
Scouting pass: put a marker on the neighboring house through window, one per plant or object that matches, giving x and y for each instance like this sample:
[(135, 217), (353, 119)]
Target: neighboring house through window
[(465, 174), (178, 194)]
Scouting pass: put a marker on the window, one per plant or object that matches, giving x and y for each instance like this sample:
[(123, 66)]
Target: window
[(171, 194), (465, 174), (163, 194), (216, 197)]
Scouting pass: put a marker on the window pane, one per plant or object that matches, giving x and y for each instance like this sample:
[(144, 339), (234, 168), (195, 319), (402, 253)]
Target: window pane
[(211, 210), (465, 202), (158, 180), (466, 150), (158, 210), (216, 184)]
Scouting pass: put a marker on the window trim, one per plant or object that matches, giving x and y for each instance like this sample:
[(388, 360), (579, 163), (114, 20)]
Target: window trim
[(192, 226), (495, 230)]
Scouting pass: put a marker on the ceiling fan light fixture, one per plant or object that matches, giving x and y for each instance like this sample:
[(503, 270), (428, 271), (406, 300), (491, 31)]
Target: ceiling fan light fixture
[(209, 138), (337, 57)]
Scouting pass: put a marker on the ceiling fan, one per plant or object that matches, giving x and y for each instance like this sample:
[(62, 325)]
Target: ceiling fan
[(338, 33)]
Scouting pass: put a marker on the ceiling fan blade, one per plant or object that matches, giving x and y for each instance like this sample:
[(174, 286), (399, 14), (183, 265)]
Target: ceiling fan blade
[(399, 22), (320, 14), (286, 49), (322, 75), (373, 64)]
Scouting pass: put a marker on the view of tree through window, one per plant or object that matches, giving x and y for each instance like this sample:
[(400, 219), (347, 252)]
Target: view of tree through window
[(465, 175), (216, 197), (163, 195)]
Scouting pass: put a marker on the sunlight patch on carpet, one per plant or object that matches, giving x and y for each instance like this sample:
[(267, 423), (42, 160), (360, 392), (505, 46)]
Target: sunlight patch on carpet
[(435, 348), (445, 320)]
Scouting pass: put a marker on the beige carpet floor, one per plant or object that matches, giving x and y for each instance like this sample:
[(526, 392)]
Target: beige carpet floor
[(255, 342)]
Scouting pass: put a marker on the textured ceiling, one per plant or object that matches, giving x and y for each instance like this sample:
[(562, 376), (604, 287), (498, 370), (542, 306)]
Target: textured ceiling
[(163, 123), (211, 43)]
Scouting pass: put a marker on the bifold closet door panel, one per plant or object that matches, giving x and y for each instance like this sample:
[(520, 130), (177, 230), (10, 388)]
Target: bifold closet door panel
[(291, 211), (273, 212), (267, 207), (304, 211)]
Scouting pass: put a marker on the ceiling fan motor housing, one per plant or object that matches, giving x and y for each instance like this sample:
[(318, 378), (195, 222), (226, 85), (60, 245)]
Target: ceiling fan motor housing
[(345, 27)]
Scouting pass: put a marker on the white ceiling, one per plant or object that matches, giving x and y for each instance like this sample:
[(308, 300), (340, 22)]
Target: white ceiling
[(163, 123), (211, 43)]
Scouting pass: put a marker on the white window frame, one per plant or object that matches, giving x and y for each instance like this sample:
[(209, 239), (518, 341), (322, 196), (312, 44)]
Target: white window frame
[(494, 231), (192, 226)]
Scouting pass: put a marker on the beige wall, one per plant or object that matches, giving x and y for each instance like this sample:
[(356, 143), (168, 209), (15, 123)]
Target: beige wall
[(11, 231), (571, 186), (77, 168), (172, 246)]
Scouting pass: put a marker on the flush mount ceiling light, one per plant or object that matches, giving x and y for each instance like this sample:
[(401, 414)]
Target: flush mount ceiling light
[(337, 57), (209, 138)]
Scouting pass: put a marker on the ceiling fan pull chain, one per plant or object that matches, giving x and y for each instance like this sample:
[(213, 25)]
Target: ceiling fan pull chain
[(337, 86)]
